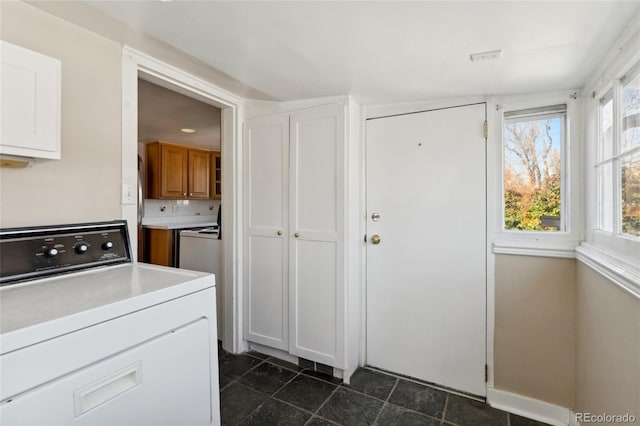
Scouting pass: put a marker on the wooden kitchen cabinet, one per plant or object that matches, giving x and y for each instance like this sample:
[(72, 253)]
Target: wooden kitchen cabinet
[(160, 245), (199, 171), (177, 172), (216, 175)]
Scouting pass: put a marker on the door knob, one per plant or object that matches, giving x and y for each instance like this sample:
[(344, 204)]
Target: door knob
[(297, 234), (375, 217), (279, 232), (375, 239)]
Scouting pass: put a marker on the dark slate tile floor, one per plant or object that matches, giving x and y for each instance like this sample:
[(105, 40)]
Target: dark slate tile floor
[(256, 389)]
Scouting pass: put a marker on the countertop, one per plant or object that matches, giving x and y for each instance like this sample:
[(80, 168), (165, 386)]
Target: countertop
[(184, 222), (180, 225)]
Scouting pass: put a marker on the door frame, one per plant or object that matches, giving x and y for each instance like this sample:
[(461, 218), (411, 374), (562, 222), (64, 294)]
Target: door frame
[(493, 174), (136, 64)]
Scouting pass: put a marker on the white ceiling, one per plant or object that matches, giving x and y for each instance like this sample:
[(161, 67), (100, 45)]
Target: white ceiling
[(387, 51), (162, 113)]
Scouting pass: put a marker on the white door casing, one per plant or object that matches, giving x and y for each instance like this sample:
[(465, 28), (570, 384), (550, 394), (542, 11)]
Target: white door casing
[(136, 64), (426, 280), (316, 255), (266, 240)]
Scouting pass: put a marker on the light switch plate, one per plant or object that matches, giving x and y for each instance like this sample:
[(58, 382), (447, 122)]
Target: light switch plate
[(128, 196)]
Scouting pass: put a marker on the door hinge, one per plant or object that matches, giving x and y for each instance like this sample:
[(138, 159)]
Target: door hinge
[(486, 129), (486, 373)]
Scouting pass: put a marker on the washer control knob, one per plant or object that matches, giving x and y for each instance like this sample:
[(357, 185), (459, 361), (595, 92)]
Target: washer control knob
[(108, 245), (82, 248), (51, 252)]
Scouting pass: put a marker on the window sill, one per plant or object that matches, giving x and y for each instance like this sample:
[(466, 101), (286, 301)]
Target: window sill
[(560, 249), (619, 269)]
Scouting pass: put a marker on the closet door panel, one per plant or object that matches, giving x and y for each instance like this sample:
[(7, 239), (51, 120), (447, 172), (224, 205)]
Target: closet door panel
[(266, 215), (316, 265)]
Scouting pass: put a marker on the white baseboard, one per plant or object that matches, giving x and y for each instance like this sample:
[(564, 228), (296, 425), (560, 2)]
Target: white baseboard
[(530, 408), (572, 420)]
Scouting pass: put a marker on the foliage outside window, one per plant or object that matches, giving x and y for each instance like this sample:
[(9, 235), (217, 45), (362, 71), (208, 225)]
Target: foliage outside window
[(618, 167), (533, 145)]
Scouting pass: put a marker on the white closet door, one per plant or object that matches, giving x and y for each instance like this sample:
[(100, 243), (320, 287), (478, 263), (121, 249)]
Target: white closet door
[(267, 204), (316, 264)]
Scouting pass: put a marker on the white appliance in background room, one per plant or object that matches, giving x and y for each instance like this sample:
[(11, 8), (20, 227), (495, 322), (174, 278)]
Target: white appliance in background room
[(201, 250)]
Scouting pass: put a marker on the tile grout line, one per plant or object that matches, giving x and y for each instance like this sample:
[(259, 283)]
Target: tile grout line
[(444, 409), (288, 381), (424, 383), (326, 400), (237, 380), (386, 401), (296, 374), (255, 409)]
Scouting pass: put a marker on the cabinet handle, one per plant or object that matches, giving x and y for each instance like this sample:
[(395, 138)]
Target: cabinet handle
[(279, 232), (184, 193), (297, 234), (191, 194)]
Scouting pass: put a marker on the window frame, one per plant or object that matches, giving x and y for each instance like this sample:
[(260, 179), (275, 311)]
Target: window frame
[(563, 158), (614, 240), (561, 243)]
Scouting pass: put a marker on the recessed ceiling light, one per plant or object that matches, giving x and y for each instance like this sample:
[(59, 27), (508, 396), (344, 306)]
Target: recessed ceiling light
[(486, 56), (188, 130)]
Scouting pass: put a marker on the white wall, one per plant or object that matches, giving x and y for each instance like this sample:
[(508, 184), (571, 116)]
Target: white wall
[(85, 184)]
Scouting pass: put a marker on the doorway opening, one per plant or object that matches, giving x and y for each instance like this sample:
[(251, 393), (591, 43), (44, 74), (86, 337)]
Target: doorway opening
[(140, 70)]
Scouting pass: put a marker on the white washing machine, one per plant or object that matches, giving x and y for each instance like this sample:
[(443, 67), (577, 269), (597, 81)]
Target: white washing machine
[(201, 250), (88, 337)]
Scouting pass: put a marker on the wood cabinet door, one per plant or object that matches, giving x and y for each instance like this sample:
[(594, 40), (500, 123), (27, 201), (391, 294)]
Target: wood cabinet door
[(316, 232), (174, 167), (266, 185), (216, 175), (159, 246), (199, 167)]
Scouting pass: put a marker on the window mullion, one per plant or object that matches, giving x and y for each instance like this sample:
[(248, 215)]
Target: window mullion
[(617, 144)]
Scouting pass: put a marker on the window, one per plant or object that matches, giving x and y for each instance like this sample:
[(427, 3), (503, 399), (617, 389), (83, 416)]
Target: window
[(533, 159), (618, 164)]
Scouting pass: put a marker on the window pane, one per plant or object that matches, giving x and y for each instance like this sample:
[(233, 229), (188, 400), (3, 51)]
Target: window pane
[(605, 197), (630, 174), (606, 126), (532, 173), (631, 114)]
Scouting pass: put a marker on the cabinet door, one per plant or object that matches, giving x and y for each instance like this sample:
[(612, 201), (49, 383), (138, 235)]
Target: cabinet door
[(199, 167), (317, 210), (174, 166), (266, 204), (160, 246), (30, 123), (216, 175)]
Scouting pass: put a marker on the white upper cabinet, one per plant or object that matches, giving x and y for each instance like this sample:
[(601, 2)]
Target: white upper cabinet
[(30, 91)]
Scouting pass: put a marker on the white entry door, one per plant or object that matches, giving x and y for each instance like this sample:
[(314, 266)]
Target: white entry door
[(426, 276)]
